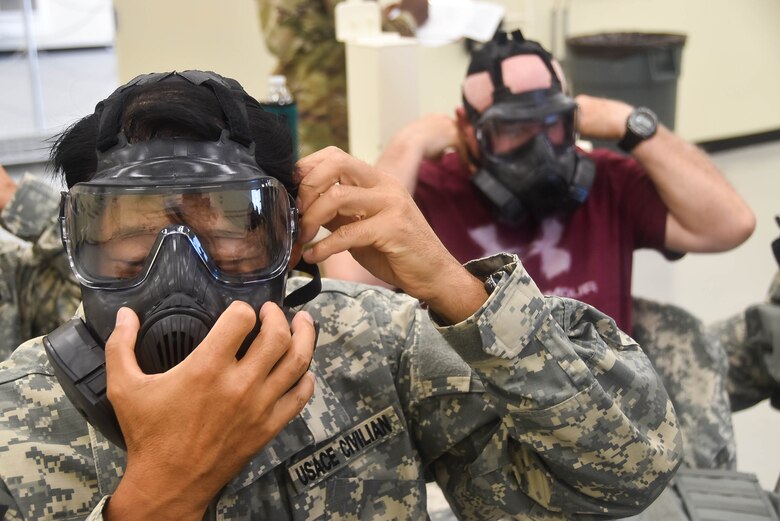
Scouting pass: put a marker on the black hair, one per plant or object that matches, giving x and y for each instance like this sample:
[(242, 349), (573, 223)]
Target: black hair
[(175, 108)]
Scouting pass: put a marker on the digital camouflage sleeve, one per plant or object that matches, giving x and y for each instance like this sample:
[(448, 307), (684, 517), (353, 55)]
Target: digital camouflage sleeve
[(38, 292), (534, 408)]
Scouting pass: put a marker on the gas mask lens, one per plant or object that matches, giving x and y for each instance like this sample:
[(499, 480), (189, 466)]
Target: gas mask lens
[(509, 138), (242, 231)]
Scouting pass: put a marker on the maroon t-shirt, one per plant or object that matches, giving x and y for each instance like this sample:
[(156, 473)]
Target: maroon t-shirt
[(587, 255)]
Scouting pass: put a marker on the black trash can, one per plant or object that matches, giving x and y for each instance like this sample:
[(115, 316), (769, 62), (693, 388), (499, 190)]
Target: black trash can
[(638, 68)]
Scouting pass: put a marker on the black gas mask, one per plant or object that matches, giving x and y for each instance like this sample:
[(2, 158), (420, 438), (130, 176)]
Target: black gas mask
[(529, 166), (175, 230)]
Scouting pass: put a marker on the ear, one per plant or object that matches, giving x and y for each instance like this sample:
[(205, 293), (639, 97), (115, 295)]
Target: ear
[(466, 130)]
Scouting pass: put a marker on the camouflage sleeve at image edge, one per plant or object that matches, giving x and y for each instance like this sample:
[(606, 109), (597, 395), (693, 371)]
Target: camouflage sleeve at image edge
[(38, 291), (32, 209)]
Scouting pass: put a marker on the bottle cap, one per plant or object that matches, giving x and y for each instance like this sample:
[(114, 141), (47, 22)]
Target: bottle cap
[(277, 80)]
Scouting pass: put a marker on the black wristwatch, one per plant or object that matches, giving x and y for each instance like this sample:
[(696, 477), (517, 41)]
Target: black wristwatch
[(641, 125)]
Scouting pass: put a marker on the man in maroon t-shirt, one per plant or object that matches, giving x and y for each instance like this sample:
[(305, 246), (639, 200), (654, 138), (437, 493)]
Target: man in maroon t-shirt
[(586, 255), (505, 175)]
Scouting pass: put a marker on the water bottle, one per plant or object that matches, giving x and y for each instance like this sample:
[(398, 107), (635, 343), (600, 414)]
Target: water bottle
[(281, 102)]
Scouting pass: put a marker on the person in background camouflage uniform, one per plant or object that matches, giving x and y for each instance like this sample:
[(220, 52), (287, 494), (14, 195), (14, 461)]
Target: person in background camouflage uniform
[(752, 341), (519, 405), (38, 292), (693, 366), (302, 35)]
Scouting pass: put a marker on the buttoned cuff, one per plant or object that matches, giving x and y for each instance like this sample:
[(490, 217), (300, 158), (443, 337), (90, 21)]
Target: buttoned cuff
[(507, 320)]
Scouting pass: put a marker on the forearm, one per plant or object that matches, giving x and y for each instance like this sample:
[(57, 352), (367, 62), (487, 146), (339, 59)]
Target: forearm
[(573, 394), (706, 213), (402, 158)]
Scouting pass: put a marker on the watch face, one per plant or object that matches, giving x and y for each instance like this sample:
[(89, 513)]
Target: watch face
[(643, 123)]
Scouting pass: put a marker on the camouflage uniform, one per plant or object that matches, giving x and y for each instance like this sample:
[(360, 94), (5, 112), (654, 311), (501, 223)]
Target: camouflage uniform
[(693, 366), (752, 341), (535, 407), (302, 35), (38, 292)]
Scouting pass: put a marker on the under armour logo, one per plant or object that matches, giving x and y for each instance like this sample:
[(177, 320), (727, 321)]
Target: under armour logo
[(553, 260)]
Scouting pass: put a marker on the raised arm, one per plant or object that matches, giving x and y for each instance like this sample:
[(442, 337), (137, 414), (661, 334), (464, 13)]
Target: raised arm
[(424, 138), (705, 212)]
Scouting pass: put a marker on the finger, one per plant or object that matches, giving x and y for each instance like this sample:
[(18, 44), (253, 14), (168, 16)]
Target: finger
[(295, 362), (270, 345), (318, 174), (306, 163), (120, 346), (228, 333), (351, 202), (294, 400), (359, 234)]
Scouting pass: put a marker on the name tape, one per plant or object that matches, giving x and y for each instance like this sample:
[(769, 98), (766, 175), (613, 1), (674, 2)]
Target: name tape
[(312, 469)]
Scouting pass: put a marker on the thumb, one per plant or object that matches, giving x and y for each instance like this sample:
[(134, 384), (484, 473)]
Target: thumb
[(120, 347)]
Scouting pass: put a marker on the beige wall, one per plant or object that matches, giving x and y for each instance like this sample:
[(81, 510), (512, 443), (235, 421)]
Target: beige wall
[(731, 61), (192, 34), (726, 89)]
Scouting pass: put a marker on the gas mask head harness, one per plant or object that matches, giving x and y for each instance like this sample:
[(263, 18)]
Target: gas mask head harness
[(175, 229), (529, 166)]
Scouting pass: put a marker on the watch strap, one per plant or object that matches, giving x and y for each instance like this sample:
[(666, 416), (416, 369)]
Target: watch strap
[(629, 141), (631, 138)]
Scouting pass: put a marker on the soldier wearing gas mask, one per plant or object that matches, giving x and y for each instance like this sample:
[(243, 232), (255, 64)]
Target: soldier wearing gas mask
[(506, 175), (189, 386)]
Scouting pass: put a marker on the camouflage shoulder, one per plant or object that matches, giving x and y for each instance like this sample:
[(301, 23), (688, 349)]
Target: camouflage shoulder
[(390, 315), (29, 358), (369, 297), (41, 433), (349, 289)]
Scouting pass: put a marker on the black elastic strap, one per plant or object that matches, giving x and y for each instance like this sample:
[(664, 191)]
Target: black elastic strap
[(228, 92), (109, 111), (308, 291), (235, 112)]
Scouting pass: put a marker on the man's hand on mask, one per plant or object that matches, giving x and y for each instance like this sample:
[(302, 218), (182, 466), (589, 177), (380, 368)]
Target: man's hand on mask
[(601, 118), (191, 429), (371, 214)]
